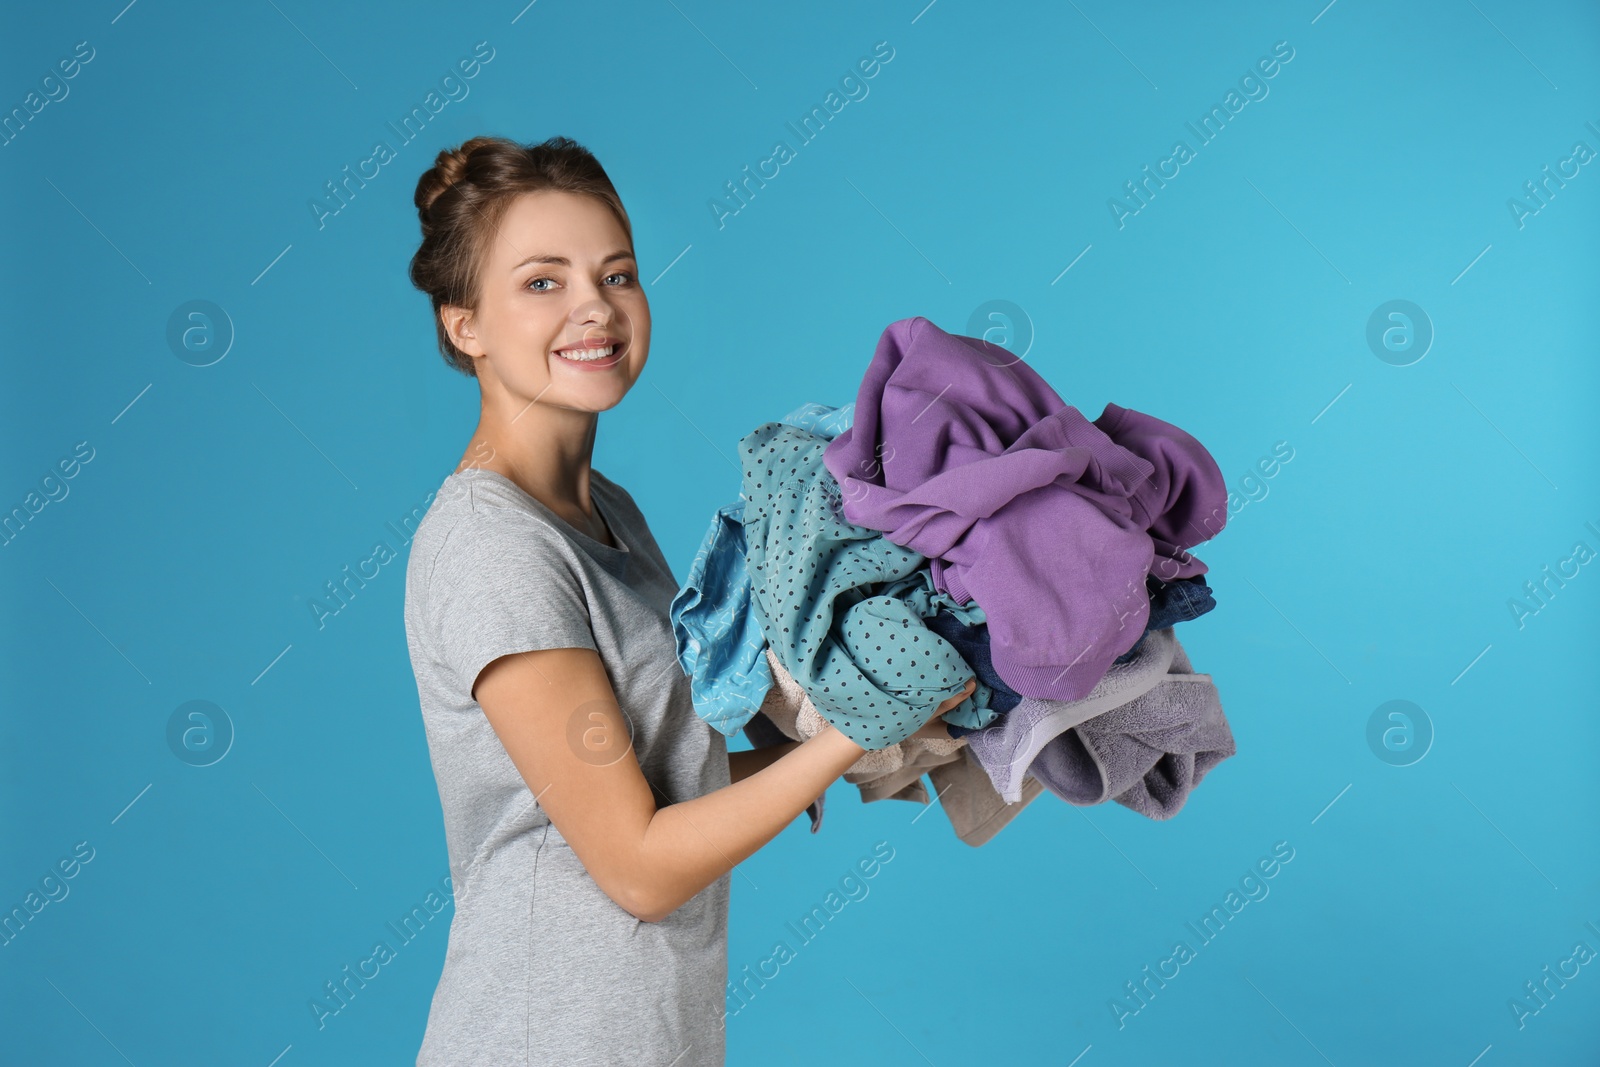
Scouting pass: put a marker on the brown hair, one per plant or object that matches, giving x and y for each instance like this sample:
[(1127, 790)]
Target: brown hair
[(464, 195)]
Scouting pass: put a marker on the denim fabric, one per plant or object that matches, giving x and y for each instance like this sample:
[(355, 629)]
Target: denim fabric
[(841, 605), (1172, 602), (718, 639), (971, 639), (1178, 601)]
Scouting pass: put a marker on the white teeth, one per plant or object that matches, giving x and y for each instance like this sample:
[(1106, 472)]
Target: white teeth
[(587, 355)]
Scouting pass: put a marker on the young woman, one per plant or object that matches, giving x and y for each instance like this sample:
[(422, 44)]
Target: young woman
[(591, 817)]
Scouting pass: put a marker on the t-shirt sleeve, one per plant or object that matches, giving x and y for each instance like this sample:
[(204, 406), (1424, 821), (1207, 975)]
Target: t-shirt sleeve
[(503, 584)]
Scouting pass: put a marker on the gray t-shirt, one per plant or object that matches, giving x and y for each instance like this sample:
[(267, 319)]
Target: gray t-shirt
[(542, 967)]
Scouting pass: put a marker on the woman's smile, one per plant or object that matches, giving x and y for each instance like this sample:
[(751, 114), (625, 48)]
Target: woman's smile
[(593, 358)]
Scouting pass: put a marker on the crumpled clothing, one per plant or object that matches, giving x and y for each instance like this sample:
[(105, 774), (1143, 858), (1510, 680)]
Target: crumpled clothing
[(1170, 603), (1145, 737), (975, 811), (823, 420), (1008, 748), (719, 640), (963, 453), (789, 709), (971, 639), (842, 605)]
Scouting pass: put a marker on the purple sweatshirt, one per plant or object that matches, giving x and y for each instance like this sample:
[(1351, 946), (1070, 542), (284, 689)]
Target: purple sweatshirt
[(963, 453)]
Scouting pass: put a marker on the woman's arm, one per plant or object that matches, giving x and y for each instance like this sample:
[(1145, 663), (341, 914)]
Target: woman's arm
[(742, 765), (556, 715)]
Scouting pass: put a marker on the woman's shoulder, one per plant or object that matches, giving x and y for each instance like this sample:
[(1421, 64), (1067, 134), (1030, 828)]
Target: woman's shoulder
[(480, 515)]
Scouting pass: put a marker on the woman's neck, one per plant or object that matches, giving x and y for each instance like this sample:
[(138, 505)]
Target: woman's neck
[(555, 468)]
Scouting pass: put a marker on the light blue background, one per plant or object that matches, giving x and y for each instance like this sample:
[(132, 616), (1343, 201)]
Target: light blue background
[(1378, 565)]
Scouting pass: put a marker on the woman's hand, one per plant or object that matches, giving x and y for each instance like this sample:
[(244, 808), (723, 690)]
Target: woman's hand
[(935, 727)]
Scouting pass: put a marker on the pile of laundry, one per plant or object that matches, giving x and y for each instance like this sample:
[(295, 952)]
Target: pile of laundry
[(960, 520)]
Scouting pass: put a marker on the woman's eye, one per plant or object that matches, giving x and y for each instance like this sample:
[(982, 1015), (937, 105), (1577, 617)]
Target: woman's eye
[(534, 283)]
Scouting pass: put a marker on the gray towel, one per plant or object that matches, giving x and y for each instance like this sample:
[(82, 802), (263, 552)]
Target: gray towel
[(1148, 753), (1007, 747)]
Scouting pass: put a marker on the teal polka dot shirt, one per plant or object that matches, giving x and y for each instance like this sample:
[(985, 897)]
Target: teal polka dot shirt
[(841, 605)]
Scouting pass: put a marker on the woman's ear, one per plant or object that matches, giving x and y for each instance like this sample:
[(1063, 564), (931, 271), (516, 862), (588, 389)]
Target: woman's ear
[(458, 324)]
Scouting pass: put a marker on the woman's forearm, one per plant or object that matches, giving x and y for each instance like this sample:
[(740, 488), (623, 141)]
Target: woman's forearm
[(742, 765), (689, 845)]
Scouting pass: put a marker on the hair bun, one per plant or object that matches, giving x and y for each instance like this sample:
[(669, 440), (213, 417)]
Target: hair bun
[(449, 167)]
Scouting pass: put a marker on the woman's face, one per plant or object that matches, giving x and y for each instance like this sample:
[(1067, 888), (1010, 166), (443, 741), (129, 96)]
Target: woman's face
[(560, 277)]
